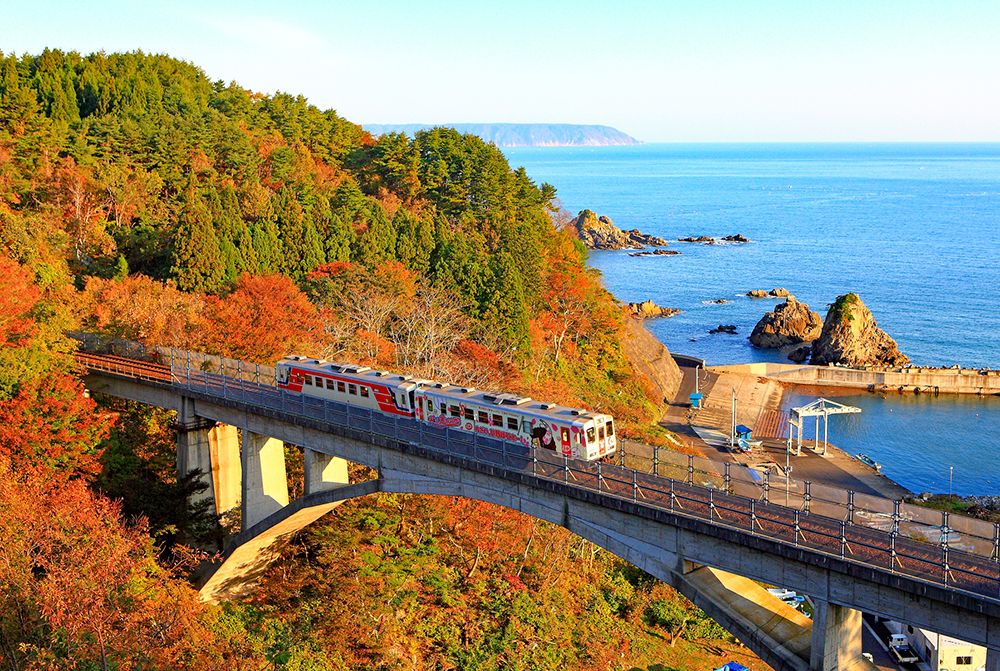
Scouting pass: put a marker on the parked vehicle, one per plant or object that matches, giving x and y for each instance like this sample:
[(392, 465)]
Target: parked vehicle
[(901, 650)]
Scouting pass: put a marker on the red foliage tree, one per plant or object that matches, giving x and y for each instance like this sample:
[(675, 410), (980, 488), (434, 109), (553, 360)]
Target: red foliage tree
[(18, 295), (263, 319), (50, 429), (78, 589)]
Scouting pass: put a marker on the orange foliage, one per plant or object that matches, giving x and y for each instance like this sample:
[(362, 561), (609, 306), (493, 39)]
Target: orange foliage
[(51, 430), (18, 295), (265, 318), (140, 308), (78, 588)]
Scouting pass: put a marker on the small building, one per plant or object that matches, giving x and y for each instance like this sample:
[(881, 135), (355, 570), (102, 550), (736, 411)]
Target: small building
[(942, 653), (743, 431)]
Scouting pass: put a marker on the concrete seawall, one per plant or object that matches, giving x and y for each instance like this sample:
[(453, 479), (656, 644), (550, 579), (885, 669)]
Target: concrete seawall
[(914, 379)]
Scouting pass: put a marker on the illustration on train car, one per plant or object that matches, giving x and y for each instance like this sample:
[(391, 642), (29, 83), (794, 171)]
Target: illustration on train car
[(574, 433)]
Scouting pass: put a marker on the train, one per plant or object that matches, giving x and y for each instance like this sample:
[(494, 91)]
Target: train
[(572, 432)]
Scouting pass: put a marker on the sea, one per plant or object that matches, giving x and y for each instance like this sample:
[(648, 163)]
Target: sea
[(913, 229)]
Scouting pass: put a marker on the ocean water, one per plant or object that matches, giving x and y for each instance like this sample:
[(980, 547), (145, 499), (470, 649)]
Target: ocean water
[(913, 229)]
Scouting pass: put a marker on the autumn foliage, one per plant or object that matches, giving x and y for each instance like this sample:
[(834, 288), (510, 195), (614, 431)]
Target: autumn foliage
[(51, 431), (263, 319), (18, 295)]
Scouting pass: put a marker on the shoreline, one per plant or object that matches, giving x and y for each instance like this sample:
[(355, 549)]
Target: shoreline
[(759, 402)]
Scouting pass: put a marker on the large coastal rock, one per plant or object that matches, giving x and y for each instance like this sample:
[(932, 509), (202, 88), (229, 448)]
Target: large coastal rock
[(649, 309), (852, 338), (601, 233), (791, 323)]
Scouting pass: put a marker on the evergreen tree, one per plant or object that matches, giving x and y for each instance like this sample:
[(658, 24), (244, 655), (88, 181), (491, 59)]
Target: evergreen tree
[(198, 263), (414, 242), (378, 242)]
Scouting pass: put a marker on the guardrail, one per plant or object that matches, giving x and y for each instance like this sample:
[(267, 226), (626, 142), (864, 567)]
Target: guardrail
[(842, 537)]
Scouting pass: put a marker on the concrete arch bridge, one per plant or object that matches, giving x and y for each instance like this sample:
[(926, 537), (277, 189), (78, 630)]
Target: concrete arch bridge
[(709, 544)]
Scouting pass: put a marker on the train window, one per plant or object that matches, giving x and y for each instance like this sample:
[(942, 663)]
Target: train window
[(454, 411), (341, 388), (352, 389), (611, 429), (430, 405), (309, 380), (591, 436), (364, 392), (484, 418), (512, 424), (469, 414), (600, 433), (329, 385), (497, 420)]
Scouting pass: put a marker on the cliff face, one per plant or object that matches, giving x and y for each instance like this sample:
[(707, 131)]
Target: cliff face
[(651, 359), (790, 323), (524, 134), (851, 337), (601, 233)]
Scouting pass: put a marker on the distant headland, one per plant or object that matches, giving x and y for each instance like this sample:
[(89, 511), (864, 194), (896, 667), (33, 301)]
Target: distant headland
[(524, 134)]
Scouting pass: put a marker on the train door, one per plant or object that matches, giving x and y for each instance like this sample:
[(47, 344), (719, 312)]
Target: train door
[(567, 449)]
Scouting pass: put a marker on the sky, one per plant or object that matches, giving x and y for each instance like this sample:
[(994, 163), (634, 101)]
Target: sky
[(662, 71)]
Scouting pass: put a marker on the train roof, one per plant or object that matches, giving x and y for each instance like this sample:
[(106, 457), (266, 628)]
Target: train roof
[(506, 400), (502, 400), (354, 370)]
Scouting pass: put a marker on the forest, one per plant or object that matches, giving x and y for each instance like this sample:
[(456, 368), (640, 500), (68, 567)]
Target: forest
[(140, 200)]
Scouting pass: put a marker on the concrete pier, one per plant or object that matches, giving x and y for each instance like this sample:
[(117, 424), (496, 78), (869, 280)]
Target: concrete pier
[(323, 471), (836, 637), (213, 449), (265, 483)]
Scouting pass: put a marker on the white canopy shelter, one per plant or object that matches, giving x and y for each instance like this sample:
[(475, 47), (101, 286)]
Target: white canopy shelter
[(821, 407)]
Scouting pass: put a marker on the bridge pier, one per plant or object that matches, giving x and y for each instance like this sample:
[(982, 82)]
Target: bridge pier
[(992, 659), (323, 471), (265, 484), (836, 637), (214, 449)]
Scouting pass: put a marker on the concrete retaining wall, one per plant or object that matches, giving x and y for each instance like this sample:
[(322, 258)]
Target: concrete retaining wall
[(915, 379)]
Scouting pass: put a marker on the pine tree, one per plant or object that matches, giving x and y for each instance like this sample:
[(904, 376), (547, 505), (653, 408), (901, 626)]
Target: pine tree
[(198, 263), (378, 243)]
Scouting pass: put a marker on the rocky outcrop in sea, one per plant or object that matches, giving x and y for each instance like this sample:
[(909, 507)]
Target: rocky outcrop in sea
[(709, 240), (778, 292), (850, 337), (599, 232), (791, 323), (649, 310)]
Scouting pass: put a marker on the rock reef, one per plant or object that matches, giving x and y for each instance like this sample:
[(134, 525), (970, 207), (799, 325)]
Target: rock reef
[(778, 292), (850, 337), (791, 323), (599, 232), (655, 252), (709, 240), (725, 328), (649, 310)]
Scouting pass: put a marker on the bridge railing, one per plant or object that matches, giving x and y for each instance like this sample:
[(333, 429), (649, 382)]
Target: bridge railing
[(959, 532), (964, 532), (843, 537)]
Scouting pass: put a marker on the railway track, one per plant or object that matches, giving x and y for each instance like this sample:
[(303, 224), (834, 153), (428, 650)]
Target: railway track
[(888, 551)]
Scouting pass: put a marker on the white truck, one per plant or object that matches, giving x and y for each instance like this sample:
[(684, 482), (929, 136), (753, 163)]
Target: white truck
[(901, 650)]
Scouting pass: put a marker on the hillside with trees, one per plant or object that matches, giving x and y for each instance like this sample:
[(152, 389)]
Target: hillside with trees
[(141, 200)]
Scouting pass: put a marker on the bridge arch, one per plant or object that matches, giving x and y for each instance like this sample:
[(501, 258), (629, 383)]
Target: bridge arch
[(774, 631)]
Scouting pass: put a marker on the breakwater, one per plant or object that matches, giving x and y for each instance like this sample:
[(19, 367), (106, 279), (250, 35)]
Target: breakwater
[(915, 379)]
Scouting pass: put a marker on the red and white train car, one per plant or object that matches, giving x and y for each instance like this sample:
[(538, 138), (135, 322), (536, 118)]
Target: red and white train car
[(575, 433)]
